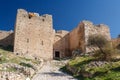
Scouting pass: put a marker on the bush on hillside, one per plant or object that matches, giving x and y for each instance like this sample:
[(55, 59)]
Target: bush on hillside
[(118, 46), (105, 51)]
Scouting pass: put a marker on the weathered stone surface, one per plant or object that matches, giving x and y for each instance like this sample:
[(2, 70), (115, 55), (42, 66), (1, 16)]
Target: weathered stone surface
[(91, 29), (61, 43), (79, 36), (34, 35)]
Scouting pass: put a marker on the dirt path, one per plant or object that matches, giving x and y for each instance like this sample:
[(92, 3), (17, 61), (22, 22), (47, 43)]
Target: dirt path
[(50, 71)]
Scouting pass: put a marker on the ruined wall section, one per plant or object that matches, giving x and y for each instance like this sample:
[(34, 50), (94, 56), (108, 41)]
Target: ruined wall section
[(77, 38), (34, 35), (61, 43), (91, 29), (6, 38)]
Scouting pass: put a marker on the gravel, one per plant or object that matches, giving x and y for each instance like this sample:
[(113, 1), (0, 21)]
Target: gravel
[(50, 71)]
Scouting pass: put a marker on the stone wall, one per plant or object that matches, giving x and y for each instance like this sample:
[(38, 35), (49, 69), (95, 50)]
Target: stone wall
[(91, 29), (6, 38), (34, 35), (77, 38), (61, 43)]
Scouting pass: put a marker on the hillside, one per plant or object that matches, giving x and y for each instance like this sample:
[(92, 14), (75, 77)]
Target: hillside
[(16, 67)]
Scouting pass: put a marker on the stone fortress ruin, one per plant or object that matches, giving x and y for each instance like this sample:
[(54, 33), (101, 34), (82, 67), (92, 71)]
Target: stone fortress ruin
[(34, 36)]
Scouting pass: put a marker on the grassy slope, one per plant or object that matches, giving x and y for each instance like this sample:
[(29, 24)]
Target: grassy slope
[(9, 57), (106, 72)]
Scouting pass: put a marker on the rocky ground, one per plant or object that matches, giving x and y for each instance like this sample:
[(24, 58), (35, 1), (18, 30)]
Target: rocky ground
[(16, 67), (50, 71)]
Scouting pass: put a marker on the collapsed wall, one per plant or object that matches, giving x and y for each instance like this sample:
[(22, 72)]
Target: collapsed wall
[(33, 35), (79, 36), (91, 29)]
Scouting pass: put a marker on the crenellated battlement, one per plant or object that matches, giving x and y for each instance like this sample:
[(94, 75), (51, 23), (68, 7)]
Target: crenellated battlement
[(23, 14)]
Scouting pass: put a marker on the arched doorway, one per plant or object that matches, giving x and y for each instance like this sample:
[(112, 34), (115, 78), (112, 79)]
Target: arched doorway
[(57, 47)]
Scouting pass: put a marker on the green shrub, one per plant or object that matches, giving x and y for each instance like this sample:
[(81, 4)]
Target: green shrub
[(109, 54), (26, 65), (97, 41), (3, 60), (118, 46), (11, 69), (108, 71), (105, 50)]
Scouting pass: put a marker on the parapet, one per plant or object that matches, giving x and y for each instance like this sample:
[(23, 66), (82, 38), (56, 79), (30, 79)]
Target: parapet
[(24, 13), (46, 15), (86, 22), (33, 15), (102, 26)]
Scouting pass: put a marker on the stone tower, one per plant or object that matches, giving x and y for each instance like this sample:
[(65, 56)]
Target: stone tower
[(34, 35)]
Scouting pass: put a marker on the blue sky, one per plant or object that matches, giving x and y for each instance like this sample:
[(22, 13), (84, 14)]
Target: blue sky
[(66, 13)]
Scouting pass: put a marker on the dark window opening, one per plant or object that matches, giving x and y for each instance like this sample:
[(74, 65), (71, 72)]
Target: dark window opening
[(43, 20), (1, 46), (35, 58), (42, 42), (57, 54), (27, 40), (17, 53), (30, 17), (24, 16)]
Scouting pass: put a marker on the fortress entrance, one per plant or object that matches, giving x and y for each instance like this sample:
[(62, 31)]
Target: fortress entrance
[(57, 54)]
